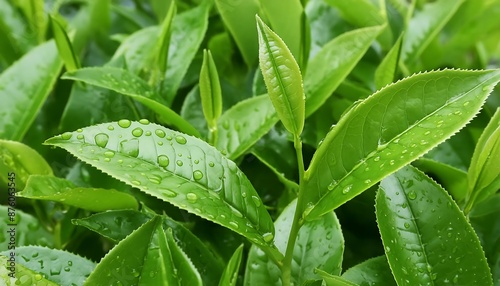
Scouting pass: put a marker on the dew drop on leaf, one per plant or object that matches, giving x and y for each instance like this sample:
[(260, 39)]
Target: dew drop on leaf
[(101, 140), (256, 201), (144, 121), (407, 225), (130, 147), (197, 175), (234, 224), (111, 127), (180, 139), (268, 237), (66, 135), (211, 164), (191, 197), (347, 189), (412, 195), (179, 163), (124, 123), (137, 132), (160, 133), (148, 133), (109, 154), (168, 193), (135, 182), (163, 161)]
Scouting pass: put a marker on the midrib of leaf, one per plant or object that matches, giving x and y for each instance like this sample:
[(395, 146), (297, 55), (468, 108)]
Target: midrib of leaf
[(278, 75)]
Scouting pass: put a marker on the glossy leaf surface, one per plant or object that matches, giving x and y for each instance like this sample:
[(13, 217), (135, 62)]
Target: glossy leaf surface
[(29, 230), (334, 280), (210, 90), (64, 46), (390, 129), (230, 274), (426, 237), (24, 276), (61, 190), (162, 46), (373, 272), (362, 13), (283, 79), (320, 244), (24, 86), (386, 71), (174, 167), (241, 126)]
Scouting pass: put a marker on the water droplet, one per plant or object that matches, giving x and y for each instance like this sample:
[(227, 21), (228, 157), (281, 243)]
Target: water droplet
[(191, 197), (163, 161), (101, 139), (332, 185), (130, 147), (455, 279), (38, 277), (256, 201), (109, 154), (160, 143), (423, 142), (179, 163), (80, 137), (368, 181), (168, 193), (466, 103), (392, 162), (135, 182), (412, 195), (160, 133), (234, 224), (155, 179), (407, 225), (427, 133), (347, 189), (211, 164), (387, 249), (147, 133), (376, 159), (144, 121), (137, 132), (79, 130), (197, 175), (458, 112), (268, 237), (124, 123), (225, 124), (180, 139), (196, 161), (111, 127), (66, 135)]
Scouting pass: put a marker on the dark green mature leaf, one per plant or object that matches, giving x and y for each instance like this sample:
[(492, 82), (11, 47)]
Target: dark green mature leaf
[(56, 265), (24, 86), (390, 129), (174, 167), (22, 273), (15, 157), (319, 244), (484, 170), (425, 26), (50, 188), (230, 274), (427, 239), (210, 90), (124, 82), (373, 272), (283, 79), (71, 61), (333, 63), (29, 230), (244, 124)]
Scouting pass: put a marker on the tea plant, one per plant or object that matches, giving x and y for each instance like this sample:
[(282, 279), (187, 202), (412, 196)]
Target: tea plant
[(250, 142)]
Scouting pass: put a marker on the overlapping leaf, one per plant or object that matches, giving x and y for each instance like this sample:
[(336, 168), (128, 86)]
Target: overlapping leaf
[(391, 128), (374, 272), (29, 230)]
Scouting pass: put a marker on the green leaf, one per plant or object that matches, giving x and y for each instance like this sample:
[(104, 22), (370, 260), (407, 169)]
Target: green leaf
[(334, 280), (56, 265), (162, 47), (230, 274), (124, 82), (331, 65), (136, 50), (362, 13), (484, 170), (24, 86), (387, 70), (20, 275), (426, 237), (64, 45), (180, 169), (244, 124), (50, 188), (29, 230), (239, 19), (22, 160), (373, 272), (425, 26), (14, 34), (390, 129), (319, 244), (210, 90), (283, 79)]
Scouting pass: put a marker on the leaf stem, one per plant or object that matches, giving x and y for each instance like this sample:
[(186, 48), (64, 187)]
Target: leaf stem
[(286, 271)]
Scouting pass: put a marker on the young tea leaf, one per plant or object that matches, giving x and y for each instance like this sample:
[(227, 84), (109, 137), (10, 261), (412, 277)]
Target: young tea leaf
[(230, 275), (334, 280), (426, 237), (180, 169), (164, 39), (56, 189), (374, 272), (386, 71), (283, 79), (210, 91), (64, 46), (391, 128)]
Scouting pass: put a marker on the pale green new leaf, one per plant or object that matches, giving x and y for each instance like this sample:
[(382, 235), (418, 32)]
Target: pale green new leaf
[(230, 274), (333, 63), (427, 239), (362, 13), (283, 79), (128, 84), (210, 90), (163, 43), (244, 124), (50, 188), (484, 170), (386, 71), (390, 129), (64, 46), (24, 86), (374, 272), (177, 168)]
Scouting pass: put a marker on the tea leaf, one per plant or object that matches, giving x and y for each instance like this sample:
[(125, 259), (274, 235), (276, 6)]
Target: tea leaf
[(13, 32), (25, 223), (128, 84), (391, 128), (386, 71), (51, 188), (28, 276), (333, 63), (374, 272), (283, 79), (362, 13), (420, 248), (210, 91), (180, 169), (230, 275), (56, 265), (24, 86), (320, 244), (64, 46), (163, 44), (244, 124), (334, 280)]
